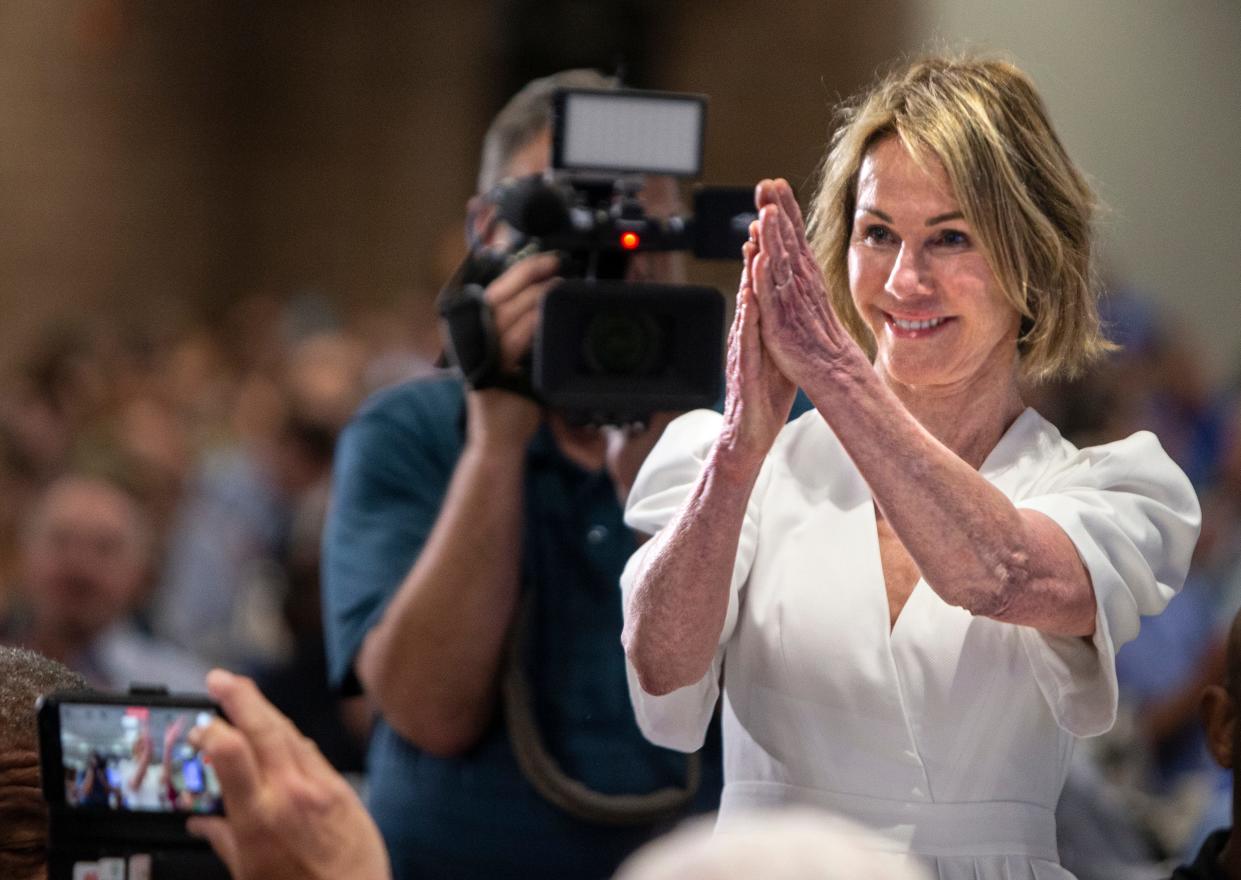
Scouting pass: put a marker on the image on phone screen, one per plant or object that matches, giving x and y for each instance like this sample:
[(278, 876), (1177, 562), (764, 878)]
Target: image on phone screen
[(135, 758)]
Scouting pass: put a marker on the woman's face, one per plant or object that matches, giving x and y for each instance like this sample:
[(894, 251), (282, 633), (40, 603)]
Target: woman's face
[(920, 281)]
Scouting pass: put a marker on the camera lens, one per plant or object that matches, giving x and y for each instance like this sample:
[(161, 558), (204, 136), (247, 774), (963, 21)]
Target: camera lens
[(619, 343)]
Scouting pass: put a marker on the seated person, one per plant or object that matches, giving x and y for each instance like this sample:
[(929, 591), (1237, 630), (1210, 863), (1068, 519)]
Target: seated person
[(85, 557), (1220, 855)]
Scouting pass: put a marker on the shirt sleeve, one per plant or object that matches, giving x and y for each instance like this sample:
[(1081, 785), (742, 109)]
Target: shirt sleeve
[(679, 720), (1134, 519), (390, 476)]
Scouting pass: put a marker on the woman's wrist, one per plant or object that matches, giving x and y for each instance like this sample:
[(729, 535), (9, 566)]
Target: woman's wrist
[(734, 461), (840, 383)]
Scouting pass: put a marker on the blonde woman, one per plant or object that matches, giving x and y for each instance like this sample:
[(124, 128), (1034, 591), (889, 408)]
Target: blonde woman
[(912, 595)]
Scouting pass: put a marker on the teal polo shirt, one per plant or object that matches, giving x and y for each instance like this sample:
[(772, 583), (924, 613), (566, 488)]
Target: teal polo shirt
[(475, 816)]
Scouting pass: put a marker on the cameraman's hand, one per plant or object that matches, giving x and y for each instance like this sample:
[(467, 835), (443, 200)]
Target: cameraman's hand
[(289, 814), (500, 420)]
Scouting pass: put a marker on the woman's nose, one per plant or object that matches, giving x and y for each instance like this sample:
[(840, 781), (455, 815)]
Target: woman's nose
[(908, 276)]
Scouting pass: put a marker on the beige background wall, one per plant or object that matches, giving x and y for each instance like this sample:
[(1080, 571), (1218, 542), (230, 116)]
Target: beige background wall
[(1147, 96)]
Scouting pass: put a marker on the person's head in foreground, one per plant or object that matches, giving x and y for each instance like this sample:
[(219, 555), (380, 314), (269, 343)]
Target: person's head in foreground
[(24, 677), (947, 198), (789, 844)]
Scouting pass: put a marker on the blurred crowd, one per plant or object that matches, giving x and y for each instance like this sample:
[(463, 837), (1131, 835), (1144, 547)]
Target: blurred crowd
[(165, 486)]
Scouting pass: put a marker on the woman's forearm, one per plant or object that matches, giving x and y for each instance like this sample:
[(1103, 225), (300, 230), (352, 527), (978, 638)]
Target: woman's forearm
[(971, 544), (679, 602)]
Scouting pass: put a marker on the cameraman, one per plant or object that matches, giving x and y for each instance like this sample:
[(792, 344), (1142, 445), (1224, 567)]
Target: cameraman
[(455, 508)]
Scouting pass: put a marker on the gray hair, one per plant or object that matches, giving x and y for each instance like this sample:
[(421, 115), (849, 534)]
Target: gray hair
[(778, 844), (525, 116), (24, 677)]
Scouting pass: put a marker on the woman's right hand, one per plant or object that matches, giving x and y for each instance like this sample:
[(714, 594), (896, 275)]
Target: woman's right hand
[(758, 397)]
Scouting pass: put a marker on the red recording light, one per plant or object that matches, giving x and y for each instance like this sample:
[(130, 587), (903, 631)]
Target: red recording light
[(630, 241)]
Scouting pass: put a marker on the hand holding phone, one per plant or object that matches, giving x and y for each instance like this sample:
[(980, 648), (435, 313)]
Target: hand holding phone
[(290, 815)]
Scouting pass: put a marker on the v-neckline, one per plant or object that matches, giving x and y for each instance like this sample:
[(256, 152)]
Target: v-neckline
[(999, 459), (892, 621)]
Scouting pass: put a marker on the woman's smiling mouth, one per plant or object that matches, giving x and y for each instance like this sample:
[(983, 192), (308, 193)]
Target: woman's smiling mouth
[(914, 328)]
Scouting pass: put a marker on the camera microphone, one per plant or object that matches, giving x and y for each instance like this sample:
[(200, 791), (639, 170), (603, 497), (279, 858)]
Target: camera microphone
[(533, 207)]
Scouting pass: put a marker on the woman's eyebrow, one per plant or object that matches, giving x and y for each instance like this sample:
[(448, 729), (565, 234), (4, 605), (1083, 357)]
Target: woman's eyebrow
[(944, 218), (933, 221)]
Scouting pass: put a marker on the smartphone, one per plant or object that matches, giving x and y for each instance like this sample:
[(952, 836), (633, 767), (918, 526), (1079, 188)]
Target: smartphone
[(120, 778), (112, 754)]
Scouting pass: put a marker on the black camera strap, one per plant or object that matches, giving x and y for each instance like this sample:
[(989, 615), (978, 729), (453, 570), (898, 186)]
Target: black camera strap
[(471, 342), (546, 775)]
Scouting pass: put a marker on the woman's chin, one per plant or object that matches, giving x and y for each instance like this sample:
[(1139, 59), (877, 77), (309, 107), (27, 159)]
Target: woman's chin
[(911, 372)]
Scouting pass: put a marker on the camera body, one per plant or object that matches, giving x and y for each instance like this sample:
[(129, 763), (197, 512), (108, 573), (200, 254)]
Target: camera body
[(607, 350), (120, 779)]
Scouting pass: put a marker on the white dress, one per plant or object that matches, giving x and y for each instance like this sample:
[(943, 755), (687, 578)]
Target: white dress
[(949, 735)]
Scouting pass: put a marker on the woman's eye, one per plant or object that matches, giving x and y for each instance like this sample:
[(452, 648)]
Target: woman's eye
[(952, 238), (877, 234)]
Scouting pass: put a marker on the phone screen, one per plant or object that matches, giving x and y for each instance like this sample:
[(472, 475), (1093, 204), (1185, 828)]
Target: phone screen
[(135, 758)]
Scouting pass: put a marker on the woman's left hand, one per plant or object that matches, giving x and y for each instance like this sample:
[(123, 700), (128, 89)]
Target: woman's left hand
[(799, 328)]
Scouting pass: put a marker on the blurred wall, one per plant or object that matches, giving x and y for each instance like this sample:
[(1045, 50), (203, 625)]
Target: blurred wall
[(1147, 97), (162, 159), (773, 80)]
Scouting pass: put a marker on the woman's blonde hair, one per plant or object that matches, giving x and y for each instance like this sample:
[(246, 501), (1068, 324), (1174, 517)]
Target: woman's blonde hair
[(1028, 204)]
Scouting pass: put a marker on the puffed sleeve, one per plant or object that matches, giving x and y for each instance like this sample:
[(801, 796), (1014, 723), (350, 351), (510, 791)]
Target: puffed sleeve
[(1134, 519), (679, 720)]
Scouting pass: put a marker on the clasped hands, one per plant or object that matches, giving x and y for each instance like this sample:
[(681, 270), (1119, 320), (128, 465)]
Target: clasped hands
[(784, 333)]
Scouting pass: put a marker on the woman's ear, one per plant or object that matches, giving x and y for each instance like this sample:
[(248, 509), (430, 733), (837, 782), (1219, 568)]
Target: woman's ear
[(1219, 717)]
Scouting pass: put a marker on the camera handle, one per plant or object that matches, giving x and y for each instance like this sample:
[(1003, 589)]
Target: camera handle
[(472, 344)]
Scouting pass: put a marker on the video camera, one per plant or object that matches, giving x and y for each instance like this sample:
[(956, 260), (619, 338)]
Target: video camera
[(607, 350), (120, 778)]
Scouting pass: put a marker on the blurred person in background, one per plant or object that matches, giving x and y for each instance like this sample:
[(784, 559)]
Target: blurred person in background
[(24, 677), (90, 399), (225, 576), (1134, 796), (85, 558), (1219, 856), (450, 508), (297, 686)]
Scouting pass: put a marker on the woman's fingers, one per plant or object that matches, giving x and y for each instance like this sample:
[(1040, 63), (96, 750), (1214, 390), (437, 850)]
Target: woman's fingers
[(773, 255), (788, 204), (778, 192)]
